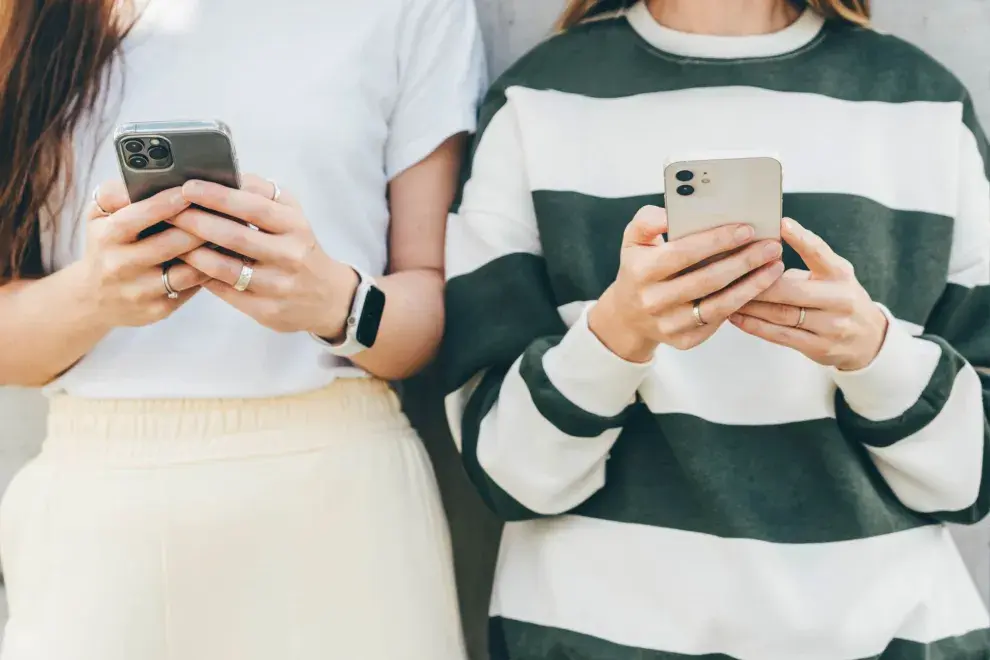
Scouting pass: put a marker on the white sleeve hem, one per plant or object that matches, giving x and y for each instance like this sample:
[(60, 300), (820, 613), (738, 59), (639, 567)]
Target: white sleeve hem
[(400, 158), (590, 375), (895, 380)]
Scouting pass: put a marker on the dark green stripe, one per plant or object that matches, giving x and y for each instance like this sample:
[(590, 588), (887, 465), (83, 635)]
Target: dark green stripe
[(962, 318), (554, 406), (801, 482), (607, 59), (482, 401), (516, 640), (885, 433), (493, 314), (496, 311), (901, 257)]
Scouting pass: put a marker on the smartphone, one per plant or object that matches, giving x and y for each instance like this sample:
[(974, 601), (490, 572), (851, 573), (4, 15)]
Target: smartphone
[(708, 191), (155, 156)]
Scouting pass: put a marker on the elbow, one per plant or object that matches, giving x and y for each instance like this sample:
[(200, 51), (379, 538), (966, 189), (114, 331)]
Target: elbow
[(395, 369), (13, 375)]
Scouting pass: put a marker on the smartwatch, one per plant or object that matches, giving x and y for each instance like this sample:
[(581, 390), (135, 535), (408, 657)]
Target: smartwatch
[(361, 327)]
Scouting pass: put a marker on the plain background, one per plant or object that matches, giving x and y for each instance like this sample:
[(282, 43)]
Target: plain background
[(956, 31)]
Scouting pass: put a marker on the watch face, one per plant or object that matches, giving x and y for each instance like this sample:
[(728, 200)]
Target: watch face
[(371, 317)]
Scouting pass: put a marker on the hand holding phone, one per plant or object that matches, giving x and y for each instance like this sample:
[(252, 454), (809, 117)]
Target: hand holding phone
[(658, 298), (123, 276)]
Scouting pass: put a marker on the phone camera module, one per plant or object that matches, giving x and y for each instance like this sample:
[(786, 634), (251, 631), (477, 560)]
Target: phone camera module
[(685, 191), (134, 146), (158, 153), (685, 175), (137, 162)]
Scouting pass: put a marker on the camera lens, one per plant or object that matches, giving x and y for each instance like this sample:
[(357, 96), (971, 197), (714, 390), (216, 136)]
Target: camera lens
[(137, 162), (133, 146), (158, 153), (685, 175), (684, 191)]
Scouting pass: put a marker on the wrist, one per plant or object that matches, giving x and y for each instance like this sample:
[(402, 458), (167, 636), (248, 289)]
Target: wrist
[(83, 290), (341, 287), (606, 322), (877, 327)]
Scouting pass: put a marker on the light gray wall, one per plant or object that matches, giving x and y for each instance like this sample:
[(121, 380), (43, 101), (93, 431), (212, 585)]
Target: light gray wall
[(955, 31)]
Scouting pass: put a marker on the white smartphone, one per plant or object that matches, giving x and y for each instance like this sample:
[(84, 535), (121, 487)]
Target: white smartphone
[(707, 191)]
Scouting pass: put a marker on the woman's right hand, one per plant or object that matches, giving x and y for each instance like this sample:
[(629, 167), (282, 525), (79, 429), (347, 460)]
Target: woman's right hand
[(652, 301), (124, 274)]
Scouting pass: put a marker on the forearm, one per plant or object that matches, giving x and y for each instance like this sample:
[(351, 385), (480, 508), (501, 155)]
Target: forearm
[(46, 326), (411, 327)]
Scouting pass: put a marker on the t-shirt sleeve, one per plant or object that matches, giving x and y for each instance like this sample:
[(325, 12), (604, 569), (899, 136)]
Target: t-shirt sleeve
[(441, 75)]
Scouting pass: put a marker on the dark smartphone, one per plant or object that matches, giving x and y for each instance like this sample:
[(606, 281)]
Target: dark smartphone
[(156, 156)]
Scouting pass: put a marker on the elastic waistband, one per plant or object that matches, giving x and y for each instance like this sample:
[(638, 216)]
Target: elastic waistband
[(165, 430)]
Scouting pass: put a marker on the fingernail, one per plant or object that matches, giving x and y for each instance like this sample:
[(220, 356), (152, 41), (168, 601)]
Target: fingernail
[(192, 187), (772, 250), (735, 319), (176, 198), (744, 233), (788, 224)]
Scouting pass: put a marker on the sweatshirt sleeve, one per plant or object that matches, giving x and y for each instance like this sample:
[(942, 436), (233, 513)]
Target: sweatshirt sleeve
[(921, 408), (534, 406)]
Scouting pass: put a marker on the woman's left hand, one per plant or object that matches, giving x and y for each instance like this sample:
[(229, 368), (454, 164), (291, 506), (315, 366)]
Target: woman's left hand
[(295, 286), (823, 312)]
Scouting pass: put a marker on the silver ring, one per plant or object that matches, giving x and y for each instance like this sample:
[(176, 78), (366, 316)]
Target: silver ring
[(96, 201), (170, 293), (244, 279), (803, 313), (276, 191), (699, 321)]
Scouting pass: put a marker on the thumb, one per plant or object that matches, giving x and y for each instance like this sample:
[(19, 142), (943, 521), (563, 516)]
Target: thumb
[(647, 227)]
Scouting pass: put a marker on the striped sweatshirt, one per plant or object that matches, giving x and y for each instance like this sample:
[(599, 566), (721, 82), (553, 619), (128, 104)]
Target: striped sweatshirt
[(737, 500)]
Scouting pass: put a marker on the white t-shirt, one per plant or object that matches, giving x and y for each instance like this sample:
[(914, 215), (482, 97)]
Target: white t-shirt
[(332, 99)]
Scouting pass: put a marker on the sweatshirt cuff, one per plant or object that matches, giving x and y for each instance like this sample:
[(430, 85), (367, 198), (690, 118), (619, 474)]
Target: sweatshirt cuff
[(895, 380), (591, 376)]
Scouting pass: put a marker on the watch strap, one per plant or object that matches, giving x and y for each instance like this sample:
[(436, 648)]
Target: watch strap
[(350, 345)]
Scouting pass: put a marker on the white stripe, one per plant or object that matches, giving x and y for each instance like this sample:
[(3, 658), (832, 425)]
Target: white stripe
[(940, 467), (735, 378), (617, 147), (544, 469), (969, 263), (496, 216), (683, 592)]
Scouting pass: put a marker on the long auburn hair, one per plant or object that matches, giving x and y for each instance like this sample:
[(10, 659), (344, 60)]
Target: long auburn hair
[(856, 12), (55, 60)]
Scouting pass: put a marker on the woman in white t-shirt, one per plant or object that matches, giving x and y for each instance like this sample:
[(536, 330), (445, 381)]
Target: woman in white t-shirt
[(227, 473)]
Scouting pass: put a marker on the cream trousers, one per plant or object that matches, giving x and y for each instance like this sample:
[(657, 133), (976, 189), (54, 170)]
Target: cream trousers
[(298, 528)]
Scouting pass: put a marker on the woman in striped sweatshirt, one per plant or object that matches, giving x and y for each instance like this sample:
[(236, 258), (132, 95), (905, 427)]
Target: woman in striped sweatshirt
[(744, 488)]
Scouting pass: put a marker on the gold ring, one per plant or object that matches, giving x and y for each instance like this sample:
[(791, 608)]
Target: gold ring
[(244, 279), (698, 319), (96, 201), (803, 313), (170, 293)]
